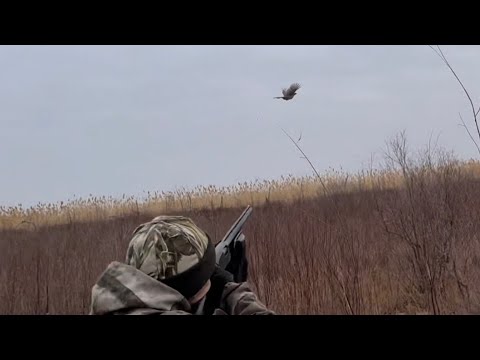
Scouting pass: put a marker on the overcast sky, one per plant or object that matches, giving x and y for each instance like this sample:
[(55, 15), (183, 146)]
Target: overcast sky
[(109, 120)]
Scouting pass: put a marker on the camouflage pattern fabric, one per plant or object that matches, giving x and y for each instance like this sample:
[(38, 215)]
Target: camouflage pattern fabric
[(124, 290), (166, 246), (238, 299)]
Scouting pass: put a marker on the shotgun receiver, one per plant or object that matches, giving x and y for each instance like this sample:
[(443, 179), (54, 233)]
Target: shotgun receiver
[(231, 251)]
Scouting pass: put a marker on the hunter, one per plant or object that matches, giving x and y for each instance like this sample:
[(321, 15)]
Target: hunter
[(170, 269)]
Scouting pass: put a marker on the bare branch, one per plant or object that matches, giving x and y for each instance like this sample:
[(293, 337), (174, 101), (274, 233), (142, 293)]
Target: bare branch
[(475, 112), (435, 146), (468, 131), (431, 47), (306, 158)]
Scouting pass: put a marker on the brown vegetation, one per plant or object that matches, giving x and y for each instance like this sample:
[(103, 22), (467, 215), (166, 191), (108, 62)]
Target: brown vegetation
[(404, 240)]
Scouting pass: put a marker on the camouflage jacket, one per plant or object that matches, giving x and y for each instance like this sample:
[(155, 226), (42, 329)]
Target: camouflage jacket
[(124, 290)]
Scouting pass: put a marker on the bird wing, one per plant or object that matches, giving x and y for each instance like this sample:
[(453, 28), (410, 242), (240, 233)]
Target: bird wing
[(284, 92), (291, 90)]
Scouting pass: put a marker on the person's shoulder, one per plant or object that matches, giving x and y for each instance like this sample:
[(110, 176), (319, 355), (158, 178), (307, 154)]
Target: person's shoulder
[(239, 299), (232, 288)]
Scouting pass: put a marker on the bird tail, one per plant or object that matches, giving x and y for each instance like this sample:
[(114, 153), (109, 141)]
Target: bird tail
[(278, 97)]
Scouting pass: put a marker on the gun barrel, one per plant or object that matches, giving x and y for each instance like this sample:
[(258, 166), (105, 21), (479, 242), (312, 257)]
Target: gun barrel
[(232, 234)]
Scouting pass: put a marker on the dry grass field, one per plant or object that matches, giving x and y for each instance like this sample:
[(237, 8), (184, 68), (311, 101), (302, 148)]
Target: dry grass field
[(404, 239)]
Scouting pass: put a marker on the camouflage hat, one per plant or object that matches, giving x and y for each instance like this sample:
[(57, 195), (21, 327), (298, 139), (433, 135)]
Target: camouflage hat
[(173, 250)]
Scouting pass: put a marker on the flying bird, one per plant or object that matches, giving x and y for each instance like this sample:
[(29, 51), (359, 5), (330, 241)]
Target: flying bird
[(289, 93)]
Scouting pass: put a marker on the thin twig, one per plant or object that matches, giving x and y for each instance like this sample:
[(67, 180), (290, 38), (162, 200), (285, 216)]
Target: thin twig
[(306, 158), (468, 131), (475, 112)]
